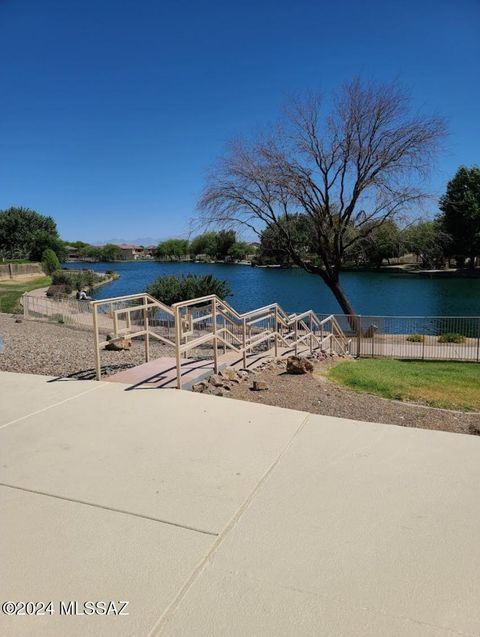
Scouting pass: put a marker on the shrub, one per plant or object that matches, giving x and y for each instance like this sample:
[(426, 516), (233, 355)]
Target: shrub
[(172, 289), (451, 337), (416, 338), (59, 290), (76, 279), (50, 262)]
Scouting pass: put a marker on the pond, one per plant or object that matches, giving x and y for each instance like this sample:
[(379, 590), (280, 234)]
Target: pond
[(371, 293)]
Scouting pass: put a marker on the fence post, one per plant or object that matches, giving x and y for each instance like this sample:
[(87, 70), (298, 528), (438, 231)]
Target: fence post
[(215, 351), (177, 347), (98, 369), (478, 342), (296, 337), (359, 335), (146, 328)]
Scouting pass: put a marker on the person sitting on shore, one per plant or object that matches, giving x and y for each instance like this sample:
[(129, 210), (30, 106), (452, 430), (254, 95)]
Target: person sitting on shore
[(82, 296)]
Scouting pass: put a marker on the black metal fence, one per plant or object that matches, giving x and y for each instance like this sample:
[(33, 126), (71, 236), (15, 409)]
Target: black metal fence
[(413, 337)]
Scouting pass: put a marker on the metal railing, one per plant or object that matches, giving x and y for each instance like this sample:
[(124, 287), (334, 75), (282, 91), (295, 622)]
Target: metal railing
[(129, 317), (59, 309), (413, 337), (209, 327)]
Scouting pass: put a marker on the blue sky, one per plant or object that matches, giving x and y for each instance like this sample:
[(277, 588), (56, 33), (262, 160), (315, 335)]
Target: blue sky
[(111, 111)]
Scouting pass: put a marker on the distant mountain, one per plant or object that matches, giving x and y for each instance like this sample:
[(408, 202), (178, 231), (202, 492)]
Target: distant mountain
[(139, 241)]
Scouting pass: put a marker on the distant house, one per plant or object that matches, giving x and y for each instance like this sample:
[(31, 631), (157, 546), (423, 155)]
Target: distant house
[(130, 252), (149, 252), (72, 253)]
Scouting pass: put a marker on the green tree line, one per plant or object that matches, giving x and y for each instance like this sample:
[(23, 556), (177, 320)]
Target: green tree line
[(213, 245), (452, 237)]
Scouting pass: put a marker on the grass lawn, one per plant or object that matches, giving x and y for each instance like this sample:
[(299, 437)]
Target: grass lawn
[(11, 291), (450, 385)]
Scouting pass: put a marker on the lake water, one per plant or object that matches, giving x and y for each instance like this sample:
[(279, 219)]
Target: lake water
[(371, 293)]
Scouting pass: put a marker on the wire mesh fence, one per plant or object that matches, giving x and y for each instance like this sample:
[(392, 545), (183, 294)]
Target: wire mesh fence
[(413, 337), (59, 309)]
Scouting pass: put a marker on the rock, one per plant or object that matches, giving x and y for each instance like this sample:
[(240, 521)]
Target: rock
[(200, 387), (229, 374), (298, 365), (371, 329), (218, 391), (18, 320), (216, 380), (118, 344), (243, 375), (259, 385)]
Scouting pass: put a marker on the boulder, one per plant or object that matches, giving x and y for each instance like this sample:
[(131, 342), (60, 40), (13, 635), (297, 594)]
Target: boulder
[(228, 373), (200, 387), (259, 385), (216, 380), (116, 344), (298, 365)]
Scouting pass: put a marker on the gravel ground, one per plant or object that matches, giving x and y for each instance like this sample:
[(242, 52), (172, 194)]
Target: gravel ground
[(33, 347), (316, 394)]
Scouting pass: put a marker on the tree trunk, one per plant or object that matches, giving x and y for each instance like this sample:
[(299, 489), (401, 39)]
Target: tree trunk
[(340, 297), (472, 262), (344, 303)]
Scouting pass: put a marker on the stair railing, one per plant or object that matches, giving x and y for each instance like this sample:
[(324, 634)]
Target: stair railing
[(212, 321)]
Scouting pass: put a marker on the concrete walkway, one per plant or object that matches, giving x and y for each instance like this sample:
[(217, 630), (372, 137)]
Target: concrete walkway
[(217, 517)]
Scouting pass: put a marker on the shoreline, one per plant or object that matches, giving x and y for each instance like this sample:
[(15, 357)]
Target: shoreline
[(397, 270)]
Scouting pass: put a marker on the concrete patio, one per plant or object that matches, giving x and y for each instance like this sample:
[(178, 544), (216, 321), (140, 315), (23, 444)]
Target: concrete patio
[(217, 517)]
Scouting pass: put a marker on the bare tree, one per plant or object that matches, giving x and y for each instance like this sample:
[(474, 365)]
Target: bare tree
[(347, 171)]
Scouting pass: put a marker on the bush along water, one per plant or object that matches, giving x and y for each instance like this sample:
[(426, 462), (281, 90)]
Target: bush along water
[(451, 337), (173, 289)]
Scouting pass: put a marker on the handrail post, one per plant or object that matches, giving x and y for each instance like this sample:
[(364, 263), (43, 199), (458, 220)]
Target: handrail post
[(224, 336), (146, 328), (177, 347), (276, 333), (215, 350), (244, 343), (98, 369), (296, 337)]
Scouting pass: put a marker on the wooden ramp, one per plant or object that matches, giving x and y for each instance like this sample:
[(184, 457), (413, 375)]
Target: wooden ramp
[(161, 373)]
